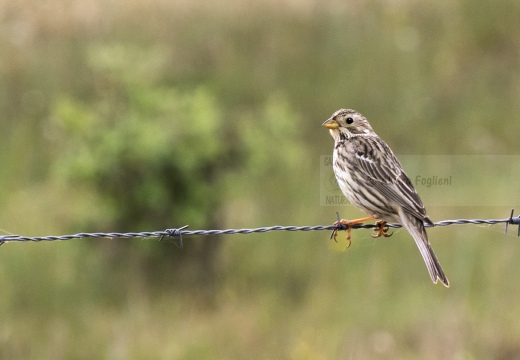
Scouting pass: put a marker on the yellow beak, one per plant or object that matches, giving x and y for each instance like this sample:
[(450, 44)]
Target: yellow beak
[(331, 124)]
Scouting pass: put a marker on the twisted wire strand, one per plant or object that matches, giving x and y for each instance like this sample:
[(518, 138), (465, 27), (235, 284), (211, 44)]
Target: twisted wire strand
[(180, 232)]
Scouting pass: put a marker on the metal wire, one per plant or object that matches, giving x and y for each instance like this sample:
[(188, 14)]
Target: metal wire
[(180, 232)]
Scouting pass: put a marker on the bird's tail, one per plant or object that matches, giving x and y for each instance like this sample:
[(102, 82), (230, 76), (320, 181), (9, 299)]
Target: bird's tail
[(416, 228)]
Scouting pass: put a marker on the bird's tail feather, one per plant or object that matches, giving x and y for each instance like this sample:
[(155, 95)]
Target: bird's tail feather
[(416, 228)]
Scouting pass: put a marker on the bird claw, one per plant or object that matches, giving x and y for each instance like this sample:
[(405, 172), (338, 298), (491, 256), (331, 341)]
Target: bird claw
[(347, 225), (381, 230), (340, 225)]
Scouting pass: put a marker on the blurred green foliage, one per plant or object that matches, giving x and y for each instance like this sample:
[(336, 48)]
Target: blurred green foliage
[(160, 159), (157, 114)]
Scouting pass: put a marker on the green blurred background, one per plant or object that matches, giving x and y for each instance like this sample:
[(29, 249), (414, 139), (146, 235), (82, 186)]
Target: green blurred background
[(150, 114)]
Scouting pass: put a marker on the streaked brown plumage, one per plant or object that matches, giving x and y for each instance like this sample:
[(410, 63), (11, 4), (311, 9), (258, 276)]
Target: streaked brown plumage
[(373, 180)]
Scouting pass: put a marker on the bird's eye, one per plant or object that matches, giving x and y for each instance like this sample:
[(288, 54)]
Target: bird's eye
[(350, 120)]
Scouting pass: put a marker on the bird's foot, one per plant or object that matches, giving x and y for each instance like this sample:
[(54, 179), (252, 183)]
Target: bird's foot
[(341, 224), (381, 229)]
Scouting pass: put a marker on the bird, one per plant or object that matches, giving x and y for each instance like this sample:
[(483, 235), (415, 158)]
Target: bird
[(373, 180)]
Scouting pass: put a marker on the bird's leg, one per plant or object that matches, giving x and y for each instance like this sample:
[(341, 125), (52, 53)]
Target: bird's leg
[(381, 229), (349, 224)]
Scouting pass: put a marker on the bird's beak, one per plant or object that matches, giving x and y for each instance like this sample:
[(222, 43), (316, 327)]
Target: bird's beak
[(331, 124)]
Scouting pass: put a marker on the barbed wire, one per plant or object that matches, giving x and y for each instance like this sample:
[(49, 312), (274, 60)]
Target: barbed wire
[(182, 231)]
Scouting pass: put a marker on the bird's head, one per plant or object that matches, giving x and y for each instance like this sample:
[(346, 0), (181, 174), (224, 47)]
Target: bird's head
[(345, 123)]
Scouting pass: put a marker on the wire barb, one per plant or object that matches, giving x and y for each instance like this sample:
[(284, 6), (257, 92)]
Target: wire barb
[(175, 233), (514, 221)]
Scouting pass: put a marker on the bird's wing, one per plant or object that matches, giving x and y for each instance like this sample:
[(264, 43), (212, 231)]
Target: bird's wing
[(378, 164)]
